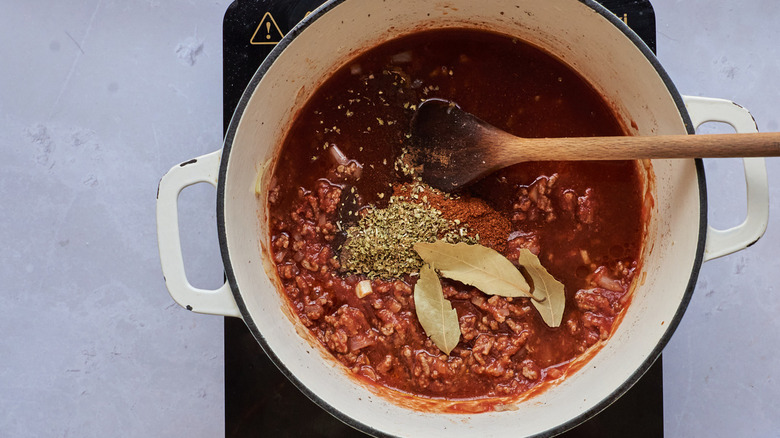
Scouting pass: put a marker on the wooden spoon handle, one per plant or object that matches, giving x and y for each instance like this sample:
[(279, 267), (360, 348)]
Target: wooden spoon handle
[(638, 147)]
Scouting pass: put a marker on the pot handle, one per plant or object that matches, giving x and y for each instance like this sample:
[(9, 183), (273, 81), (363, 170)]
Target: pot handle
[(723, 242), (203, 169)]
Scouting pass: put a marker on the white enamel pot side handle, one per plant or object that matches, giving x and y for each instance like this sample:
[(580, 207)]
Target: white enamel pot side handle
[(724, 242), (203, 169)]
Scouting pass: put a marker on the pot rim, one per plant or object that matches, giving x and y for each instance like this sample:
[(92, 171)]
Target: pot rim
[(367, 428)]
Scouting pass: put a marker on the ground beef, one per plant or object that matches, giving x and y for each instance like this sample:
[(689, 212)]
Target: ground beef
[(378, 336)]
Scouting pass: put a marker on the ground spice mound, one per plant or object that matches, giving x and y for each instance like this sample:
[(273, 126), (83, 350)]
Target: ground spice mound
[(481, 220)]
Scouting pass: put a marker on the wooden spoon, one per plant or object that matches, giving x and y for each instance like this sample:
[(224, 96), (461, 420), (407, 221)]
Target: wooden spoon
[(456, 148)]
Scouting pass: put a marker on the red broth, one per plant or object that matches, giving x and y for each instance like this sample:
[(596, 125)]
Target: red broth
[(583, 219)]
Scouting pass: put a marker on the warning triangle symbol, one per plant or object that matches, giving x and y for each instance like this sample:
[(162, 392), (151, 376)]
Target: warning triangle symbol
[(267, 31)]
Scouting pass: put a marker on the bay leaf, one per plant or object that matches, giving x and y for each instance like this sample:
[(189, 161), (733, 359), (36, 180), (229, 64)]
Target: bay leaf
[(434, 311), (476, 265), (551, 307)]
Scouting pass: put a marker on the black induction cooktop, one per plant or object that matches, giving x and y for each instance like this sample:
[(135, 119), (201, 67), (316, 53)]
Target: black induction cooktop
[(259, 400)]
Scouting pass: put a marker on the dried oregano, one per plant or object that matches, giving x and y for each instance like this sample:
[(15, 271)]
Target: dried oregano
[(381, 244)]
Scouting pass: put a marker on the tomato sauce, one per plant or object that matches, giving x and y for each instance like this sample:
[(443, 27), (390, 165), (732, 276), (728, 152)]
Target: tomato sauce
[(583, 219)]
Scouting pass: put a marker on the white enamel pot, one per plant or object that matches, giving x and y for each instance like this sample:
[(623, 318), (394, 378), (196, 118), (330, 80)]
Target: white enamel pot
[(585, 36)]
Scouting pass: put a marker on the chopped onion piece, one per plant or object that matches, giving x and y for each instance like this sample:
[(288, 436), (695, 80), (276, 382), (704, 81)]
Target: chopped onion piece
[(337, 155), (402, 58), (363, 288)]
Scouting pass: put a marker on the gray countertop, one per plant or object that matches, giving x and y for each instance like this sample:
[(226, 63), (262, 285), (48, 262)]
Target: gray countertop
[(98, 98)]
